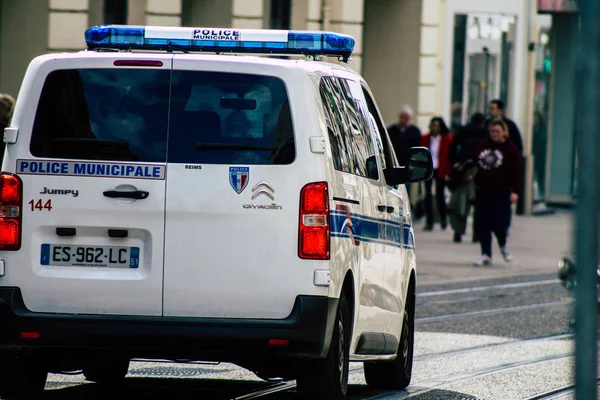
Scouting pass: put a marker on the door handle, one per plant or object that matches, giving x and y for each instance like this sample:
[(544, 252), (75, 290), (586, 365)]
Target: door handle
[(382, 207), (136, 194), (390, 209)]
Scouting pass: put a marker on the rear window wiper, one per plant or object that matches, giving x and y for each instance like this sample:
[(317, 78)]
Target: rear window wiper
[(230, 146)]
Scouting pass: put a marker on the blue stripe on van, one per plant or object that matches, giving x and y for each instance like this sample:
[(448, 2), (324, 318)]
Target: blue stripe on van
[(371, 230)]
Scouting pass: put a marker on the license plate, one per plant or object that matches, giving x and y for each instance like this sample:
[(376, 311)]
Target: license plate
[(90, 256)]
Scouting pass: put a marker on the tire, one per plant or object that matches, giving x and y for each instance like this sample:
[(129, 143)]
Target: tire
[(396, 374), (21, 377), (107, 371), (328, 378)]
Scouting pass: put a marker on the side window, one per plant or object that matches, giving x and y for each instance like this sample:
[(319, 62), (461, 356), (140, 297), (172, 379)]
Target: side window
[(340, 149), (388, 150), (363, 141), (103, 114), (366, 141), (377, 138), (349, 137)]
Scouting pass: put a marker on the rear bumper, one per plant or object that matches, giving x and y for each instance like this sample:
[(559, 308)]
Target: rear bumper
[(308, 329)]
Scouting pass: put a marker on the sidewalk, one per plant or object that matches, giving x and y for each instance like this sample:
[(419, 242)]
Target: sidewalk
[(536, 242)]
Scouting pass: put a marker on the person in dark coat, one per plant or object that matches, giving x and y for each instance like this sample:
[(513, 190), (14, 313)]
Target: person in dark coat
[(403, 136), (498, 184), (496, 110), (7, 106), (466, 140)]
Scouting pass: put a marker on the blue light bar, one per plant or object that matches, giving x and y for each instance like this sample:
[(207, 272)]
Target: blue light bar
[(314, 43)]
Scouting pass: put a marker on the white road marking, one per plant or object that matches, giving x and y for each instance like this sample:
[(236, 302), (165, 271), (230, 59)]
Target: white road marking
[(491, 287)]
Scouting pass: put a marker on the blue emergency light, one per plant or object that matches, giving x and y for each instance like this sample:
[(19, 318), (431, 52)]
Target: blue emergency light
[(218, 40)]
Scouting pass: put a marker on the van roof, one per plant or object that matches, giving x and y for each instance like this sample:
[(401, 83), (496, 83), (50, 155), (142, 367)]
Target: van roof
[(311, 66)]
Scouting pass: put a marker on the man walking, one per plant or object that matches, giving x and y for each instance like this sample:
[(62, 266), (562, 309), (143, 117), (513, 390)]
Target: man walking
[(7, 106), (466, 140), (496, 110), (404, 135)]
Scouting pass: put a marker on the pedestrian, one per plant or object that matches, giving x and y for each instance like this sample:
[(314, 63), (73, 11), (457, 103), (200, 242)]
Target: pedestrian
[(496, 110), (466, 140), (438, 142), (497, 186), (404, 135), (7, 106), (460, 183)]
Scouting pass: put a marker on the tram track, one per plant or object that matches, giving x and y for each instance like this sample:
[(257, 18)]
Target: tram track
[(493, 311), (441, 381), (421, 388), (284, 389), (556, 394)]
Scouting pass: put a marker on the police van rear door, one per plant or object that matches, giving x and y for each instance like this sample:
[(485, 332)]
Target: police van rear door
[(91, 153), (235, 173)]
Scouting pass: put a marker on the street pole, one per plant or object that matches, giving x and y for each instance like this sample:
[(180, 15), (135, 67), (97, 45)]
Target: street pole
[(586, 232)]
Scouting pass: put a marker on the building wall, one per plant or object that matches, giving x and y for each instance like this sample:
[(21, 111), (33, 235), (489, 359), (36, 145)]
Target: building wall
[(430, 87), (20, 40), (214, 13), (518, 79), (402, 39), (392, 48), (563, 99)]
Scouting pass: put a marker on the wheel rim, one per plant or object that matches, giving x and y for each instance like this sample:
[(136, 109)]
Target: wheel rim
[(341, 351)]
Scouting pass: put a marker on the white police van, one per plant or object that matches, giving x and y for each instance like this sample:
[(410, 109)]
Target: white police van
[(159, 203)]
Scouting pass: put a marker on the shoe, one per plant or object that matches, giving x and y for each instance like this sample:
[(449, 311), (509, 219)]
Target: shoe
[(475, 239), (444, 225), (506, 254), (483, 260), (457, 238)]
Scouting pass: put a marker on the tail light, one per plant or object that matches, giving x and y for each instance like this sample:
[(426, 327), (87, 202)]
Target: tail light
[(11, 209), (314, 222)]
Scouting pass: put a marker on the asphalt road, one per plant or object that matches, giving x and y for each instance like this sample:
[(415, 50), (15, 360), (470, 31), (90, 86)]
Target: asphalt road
[(467, 335), (500, 332)]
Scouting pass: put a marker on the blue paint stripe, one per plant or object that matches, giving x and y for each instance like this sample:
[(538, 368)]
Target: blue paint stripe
[(374, 241), (371, 230), (365, 218)]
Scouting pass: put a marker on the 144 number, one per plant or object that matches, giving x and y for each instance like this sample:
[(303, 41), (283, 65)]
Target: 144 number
[(37, 205)]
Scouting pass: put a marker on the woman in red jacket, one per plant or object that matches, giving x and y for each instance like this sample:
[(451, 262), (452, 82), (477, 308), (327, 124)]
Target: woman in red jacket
[(438, 142)]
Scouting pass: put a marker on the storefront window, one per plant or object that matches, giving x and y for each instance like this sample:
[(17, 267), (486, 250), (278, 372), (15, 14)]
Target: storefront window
[(481, 63)]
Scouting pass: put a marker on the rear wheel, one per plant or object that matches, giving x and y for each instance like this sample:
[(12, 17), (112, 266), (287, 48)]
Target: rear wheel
[(107, 371), (328, 378), (21, 377), (396, 374)]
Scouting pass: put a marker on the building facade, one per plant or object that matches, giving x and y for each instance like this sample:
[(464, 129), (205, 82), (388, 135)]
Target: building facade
[(561, 60), (398, 42), (441, 57)]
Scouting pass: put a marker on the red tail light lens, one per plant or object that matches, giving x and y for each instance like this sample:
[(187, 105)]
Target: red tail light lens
[(11, 205), (10, 189), (314, 242)]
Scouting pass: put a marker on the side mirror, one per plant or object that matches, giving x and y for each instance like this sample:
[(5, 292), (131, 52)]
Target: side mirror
[(420, 164)]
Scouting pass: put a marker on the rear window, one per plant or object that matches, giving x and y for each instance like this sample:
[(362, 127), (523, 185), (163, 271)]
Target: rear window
[(103, 114), (159, 115), (225, 118)]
